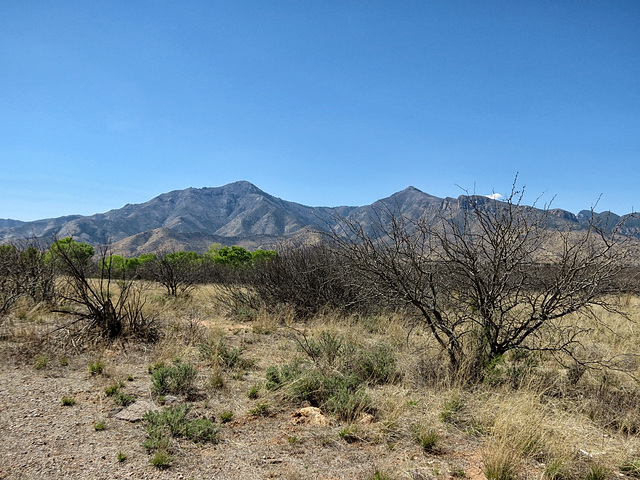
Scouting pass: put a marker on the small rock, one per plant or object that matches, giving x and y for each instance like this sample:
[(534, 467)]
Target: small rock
[(135, 411), (366, 419), (310, 415)]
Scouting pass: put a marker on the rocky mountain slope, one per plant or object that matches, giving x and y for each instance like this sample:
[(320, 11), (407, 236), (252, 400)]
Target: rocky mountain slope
[(239, 214)]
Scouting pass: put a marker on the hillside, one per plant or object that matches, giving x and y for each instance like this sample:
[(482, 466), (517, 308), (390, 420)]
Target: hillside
[(240, 213)]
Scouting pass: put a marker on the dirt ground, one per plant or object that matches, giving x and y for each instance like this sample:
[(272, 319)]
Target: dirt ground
[(41, 438)]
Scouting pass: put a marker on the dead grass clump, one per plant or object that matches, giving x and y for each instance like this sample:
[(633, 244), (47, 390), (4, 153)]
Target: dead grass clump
[(609, 399)]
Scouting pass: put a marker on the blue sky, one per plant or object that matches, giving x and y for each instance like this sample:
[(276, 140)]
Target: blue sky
[(317, 102)]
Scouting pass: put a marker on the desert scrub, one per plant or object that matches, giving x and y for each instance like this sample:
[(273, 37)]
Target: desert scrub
[(376, 365), (500, 463), (161, 459), (452, 409), (229, 358), (426, 437), (350, 434), (261, 410), (96, 367), (121, 457), (279, 376), (338, 376), (119, 397), (170, 422), (631, 467), (174, 379), (100, 426), (340, 394), (555, 469), (596, 471), (254, 392), (123, 399), (41, 362), (216, 381), (68, 401), (113, 389), (226, 417), (379, 475)]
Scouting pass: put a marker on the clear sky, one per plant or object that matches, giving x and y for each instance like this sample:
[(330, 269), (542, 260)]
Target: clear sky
[(332, 102)]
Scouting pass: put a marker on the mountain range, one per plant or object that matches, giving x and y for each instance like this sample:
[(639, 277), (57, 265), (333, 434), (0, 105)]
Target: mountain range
[(240, 214)]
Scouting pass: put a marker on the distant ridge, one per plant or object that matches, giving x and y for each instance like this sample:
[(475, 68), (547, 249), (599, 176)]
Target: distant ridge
[(239, 214)]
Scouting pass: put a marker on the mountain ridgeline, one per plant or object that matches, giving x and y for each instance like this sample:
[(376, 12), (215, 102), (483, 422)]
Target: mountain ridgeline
[(241, 214)]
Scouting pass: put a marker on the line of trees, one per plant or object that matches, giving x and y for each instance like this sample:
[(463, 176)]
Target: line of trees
[(104, 293)]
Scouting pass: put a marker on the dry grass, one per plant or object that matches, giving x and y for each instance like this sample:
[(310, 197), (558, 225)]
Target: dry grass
[(535, 418)]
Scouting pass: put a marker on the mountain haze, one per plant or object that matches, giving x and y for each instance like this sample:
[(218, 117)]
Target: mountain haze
[(241, 214)]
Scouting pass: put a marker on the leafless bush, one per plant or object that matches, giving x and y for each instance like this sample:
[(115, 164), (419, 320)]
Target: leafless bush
[(178, 272), (24, 274), (486, 278), (107, 305), (308, 279)]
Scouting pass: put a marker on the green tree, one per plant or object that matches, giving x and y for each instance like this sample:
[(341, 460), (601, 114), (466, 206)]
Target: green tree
[(260, 256), (66, 255), (114, 263), (233, 256), (212, 252)]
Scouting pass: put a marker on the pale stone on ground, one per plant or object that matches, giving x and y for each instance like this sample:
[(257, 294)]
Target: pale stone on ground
[(135, 411)]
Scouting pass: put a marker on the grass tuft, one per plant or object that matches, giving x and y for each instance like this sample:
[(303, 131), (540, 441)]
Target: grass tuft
[(176, 379)]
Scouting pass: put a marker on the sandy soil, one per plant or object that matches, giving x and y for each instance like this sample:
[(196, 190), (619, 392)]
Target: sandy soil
[(41, 438)]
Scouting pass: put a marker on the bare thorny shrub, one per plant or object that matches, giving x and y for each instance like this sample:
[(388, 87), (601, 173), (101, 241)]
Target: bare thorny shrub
[(488, 278), (24, 275), (178, 272), (307, 279), (105, 303)]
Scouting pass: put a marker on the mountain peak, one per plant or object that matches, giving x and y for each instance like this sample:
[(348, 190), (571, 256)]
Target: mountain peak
[(240, 213)]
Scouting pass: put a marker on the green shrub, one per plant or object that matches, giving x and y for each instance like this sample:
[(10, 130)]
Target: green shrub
[(348, 404), (111, 390), (41, 362), (279, 376), (500, 465), (177, 379), (98, 427), (555, 470), (216, 381), (378, 475), (254, 392), (96, 368), (327, 350), (161, 459), (68, 401), (261, 410), (226, 417), (228, 358), (172, 422), (200, 430), (376, 365), (121, 457), (339, 394), (349, 434), (123, 399), (451, 409)]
